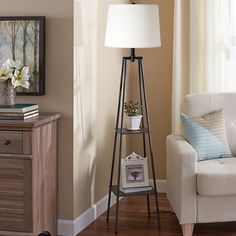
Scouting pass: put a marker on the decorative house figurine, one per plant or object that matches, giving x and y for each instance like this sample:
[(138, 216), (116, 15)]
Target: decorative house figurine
[(134, 171)]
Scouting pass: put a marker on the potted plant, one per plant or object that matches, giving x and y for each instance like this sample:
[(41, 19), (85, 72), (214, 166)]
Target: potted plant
[(133, 116)]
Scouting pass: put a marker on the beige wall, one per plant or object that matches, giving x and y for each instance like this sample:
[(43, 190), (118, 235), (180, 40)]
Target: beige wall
[(59, 81), (96, 82), (84, 179), (95, 95), (158, 77)]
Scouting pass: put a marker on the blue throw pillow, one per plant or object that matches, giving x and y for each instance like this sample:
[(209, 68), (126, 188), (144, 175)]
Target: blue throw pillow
[(207, 135)]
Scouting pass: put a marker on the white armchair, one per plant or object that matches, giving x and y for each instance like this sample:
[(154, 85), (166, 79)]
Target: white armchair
[(201, 192)]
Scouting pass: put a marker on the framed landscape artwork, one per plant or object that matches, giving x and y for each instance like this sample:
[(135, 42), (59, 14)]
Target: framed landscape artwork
[(23, 38)]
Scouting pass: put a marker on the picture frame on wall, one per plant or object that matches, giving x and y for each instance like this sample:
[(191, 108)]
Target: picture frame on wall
[(134, 171), (23, 38)]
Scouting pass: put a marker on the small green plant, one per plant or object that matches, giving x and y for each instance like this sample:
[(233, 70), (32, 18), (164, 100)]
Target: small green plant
[(132, 109)]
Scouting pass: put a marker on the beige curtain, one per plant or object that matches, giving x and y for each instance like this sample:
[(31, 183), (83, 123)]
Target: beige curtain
[(188, 56), (181, 59), (204, 50)]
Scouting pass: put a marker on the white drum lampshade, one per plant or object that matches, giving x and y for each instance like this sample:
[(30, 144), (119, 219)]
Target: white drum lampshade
[(133, 26)]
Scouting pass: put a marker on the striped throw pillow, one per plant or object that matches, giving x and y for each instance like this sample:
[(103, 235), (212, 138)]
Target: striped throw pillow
[(207, 135)]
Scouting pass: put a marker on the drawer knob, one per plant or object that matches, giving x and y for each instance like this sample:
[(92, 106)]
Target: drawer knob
[(7, 142)]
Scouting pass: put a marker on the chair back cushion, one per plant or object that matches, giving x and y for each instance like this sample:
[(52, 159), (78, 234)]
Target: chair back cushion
[(207, 135), (196, 105)]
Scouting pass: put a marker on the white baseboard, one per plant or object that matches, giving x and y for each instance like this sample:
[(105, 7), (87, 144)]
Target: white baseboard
[(161, 185), (73, 227), (65, 227)]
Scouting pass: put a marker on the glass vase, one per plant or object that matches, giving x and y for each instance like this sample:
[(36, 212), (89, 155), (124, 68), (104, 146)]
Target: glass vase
[(7, 93)]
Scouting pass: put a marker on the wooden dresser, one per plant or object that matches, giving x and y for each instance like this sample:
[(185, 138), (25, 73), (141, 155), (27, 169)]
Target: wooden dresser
[(28, 176)]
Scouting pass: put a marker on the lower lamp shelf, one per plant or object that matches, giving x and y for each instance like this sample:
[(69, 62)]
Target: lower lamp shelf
[(115, 190)]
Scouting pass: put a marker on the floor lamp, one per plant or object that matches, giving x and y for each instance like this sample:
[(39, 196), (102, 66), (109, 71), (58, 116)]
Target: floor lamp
[(132, 26)]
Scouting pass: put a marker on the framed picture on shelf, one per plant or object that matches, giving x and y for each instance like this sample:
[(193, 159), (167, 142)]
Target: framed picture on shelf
[(23, 38), (134, 171)]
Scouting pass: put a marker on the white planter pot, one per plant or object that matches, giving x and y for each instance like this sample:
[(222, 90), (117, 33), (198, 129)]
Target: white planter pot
[(133, 122)]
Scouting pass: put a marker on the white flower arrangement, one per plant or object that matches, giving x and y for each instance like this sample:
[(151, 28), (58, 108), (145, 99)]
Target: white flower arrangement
[(14, 71)]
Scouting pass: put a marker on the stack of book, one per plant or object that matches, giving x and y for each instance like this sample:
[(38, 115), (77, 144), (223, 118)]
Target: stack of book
[(18, 111)]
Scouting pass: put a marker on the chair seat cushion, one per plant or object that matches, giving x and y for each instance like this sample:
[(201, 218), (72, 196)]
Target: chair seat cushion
[(216, 177)]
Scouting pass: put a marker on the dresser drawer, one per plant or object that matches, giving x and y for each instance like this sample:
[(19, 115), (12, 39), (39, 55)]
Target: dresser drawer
[(11, 142), (15, 142)]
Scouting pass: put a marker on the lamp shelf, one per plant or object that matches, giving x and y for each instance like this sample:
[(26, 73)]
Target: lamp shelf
[(125, 131), (114, 189), (120, 131)]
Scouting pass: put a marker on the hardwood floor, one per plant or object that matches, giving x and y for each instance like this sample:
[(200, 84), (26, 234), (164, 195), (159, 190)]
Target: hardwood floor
[(134, 221)]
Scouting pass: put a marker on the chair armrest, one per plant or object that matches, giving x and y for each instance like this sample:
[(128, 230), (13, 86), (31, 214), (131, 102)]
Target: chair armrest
[(181, 178)]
